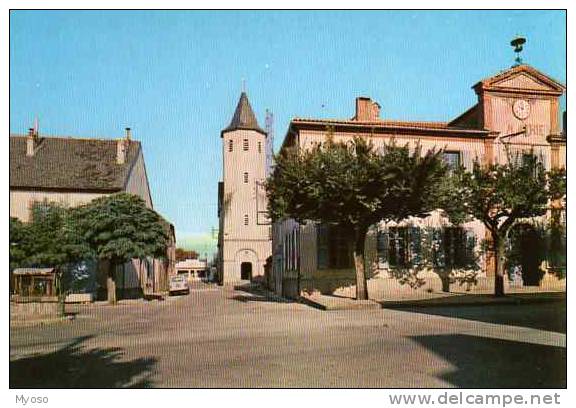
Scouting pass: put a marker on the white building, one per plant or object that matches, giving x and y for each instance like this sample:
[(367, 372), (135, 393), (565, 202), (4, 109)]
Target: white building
[(73, 171), (244, 241), (194, 269)]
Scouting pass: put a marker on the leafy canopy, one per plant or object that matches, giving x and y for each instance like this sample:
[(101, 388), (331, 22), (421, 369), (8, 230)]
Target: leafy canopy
[(354, 184), (50, 239), (120, 227), (500, 194)]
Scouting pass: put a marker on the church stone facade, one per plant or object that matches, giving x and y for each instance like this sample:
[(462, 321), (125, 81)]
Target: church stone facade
[(244, 241)]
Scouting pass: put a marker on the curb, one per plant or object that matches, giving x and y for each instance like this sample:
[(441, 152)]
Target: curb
[(350, 305), (509, 300)]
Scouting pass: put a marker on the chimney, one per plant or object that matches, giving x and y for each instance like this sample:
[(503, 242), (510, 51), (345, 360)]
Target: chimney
[(122, 148), (31, 142), (367, 110)]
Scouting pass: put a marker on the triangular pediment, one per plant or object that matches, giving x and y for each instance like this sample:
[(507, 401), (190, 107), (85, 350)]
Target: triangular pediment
[(523, 81), (522, 78)]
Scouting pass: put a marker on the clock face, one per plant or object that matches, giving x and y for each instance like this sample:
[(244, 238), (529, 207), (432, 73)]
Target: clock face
[(521, 108)]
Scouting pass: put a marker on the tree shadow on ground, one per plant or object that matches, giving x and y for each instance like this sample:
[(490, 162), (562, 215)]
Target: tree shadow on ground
[(75, 366), (549, 316), (255, 293), (493, 363)]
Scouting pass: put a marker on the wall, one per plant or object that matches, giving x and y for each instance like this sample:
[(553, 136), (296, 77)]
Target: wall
[(20, 201), (470, 149), (137, 182)]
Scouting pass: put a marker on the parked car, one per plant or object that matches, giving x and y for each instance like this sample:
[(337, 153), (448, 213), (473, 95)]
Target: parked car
[(179, 284)]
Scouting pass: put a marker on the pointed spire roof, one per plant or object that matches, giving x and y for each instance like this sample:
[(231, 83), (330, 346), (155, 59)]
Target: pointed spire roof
[(244, 117)]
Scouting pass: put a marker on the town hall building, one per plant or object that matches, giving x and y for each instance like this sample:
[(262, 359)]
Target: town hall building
[(516, 114)]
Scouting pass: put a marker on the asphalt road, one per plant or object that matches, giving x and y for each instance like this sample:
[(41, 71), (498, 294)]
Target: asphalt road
[(218, 337)]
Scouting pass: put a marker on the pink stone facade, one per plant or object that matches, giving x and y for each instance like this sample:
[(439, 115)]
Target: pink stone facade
[(517, 113)]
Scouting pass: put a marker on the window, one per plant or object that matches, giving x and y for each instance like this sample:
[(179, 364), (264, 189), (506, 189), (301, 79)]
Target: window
[(230, 145), (528, 159), (245, 145), (38, 209), (452, 159), (454, 246), (245, 177), (259, 147), (406, 247), (245, 219), (334, 252), (398, 247)]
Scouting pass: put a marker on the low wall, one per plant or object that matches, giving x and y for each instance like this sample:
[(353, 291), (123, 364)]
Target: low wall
[(79, 298), (34, 310)]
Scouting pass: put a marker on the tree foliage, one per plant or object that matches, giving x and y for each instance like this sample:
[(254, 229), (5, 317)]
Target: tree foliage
[(120, 227), (499, 195), (18, 243), (50, 239), (354, 185)]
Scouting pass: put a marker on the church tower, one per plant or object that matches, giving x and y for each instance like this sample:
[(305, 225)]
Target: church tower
[(244, 240)]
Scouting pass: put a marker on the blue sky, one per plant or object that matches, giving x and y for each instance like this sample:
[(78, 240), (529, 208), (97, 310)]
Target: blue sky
[(175, 78)]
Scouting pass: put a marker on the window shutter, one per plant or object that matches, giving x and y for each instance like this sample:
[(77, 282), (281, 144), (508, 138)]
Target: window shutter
[(438, 256), (322, 246), (468, 158), (382, 248), (471, 240), (415, 246)]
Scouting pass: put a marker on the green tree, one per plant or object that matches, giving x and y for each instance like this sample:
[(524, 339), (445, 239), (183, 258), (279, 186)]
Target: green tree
[(499, 195), (50, 239), (353, 185), (119, 228), (18, 243)]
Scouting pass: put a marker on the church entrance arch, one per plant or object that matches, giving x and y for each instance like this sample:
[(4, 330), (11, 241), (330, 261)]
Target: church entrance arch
[(246, 263)]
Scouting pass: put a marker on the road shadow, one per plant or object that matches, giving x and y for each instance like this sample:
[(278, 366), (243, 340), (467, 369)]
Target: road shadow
[(75, 366), (255, 293), (549, 316), (493, 363)]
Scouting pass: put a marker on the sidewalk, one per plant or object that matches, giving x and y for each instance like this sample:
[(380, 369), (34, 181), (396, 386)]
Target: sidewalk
[(331, 302)]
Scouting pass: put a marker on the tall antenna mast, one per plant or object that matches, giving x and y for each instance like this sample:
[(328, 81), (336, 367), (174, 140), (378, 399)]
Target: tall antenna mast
[(269, 142)]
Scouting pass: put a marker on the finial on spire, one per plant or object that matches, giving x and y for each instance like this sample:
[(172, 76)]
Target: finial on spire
[(518, 43), (243, 85)]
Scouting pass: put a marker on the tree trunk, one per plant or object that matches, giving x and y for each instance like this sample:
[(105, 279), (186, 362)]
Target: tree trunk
[(445, 279), (359, 264), (111, 283), (499, 249)]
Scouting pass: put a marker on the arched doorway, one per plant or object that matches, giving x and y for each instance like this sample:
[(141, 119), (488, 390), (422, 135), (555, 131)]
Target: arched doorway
[(246, 271), (247, 265)]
